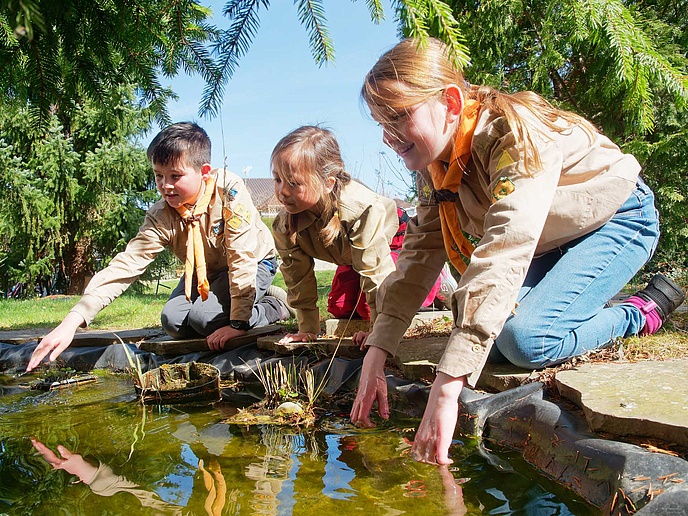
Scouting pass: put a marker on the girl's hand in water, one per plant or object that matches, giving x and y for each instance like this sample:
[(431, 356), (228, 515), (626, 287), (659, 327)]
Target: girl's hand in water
[(436, 430), (372, 386), (298, 337)]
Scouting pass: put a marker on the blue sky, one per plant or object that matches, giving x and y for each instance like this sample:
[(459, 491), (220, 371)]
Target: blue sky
[(278, 87)]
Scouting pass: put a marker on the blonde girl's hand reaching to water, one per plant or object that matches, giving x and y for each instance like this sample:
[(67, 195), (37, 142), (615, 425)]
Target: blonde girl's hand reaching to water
[(436, 430)]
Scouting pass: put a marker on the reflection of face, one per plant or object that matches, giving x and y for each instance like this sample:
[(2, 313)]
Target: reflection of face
[(296, 196), (178, 183), (420, 134)]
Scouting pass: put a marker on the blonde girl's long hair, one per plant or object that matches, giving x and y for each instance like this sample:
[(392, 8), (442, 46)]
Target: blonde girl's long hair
[(311, 154), (411, 73)]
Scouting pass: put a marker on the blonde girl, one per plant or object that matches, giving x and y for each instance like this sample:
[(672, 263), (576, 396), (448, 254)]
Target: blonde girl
[(329, 217), (562, 218)]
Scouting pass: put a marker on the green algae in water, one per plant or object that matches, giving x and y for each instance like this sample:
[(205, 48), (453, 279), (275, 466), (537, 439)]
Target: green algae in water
[(167, 460)]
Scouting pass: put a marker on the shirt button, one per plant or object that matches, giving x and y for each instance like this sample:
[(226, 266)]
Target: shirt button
[(477, 348)]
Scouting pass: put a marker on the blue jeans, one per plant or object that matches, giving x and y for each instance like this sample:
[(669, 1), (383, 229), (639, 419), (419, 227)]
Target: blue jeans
[(561, 311)]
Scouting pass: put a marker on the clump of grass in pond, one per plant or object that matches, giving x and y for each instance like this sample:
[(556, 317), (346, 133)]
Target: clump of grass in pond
[(135, 364), (290, 395)]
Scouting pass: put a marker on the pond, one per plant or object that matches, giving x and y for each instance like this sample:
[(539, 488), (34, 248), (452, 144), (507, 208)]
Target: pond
[(185, 460)]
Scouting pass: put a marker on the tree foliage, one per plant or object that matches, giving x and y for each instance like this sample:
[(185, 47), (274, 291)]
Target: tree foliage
[(53, 55), (71, 199), (621, 64)]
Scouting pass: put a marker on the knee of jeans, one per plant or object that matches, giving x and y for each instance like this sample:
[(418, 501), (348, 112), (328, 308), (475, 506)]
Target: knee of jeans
[(521, 345)]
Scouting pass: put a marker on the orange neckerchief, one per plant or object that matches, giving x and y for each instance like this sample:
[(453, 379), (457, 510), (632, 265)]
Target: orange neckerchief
[(194, 242), (455, 242)]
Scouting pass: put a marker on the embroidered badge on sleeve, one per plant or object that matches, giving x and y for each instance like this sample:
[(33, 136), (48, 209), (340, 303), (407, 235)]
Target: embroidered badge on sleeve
[(503, 188), (504, 160), (239, 216)]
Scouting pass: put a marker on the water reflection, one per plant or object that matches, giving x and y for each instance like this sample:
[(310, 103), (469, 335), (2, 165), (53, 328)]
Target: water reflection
[(103, 481), (188, 461)]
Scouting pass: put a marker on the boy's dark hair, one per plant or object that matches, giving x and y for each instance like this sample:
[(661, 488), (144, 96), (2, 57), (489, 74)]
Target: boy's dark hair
[(182, 140)]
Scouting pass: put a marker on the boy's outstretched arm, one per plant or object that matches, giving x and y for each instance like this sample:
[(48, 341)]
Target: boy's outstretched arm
[(57, 340)]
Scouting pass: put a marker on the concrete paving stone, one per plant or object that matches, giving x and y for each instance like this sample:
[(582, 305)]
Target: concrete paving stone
[(647, 398)]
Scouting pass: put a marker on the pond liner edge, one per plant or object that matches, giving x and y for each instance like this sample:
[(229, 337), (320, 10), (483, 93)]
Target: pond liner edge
[(617, 477)]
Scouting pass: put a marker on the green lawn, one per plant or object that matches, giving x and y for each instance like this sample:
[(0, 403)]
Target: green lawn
[(130, 310)]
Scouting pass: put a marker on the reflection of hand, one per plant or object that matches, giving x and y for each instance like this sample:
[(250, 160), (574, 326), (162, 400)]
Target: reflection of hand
[(72, 463), (359, 339), (436, 429), (298, 337), (453, 494), (57, 340), (218, 339), (372, 386)]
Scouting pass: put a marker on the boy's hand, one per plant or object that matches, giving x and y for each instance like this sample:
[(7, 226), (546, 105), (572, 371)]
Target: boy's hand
[(217, 339), (56, 341), (72, 463)]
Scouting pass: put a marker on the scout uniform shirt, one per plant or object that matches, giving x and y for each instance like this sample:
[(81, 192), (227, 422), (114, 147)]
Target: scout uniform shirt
[(234, 237), (369, 221), (584, 180)]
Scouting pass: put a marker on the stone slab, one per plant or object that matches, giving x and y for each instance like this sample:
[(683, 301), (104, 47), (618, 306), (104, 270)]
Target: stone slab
[(502, 377), (418, 358), (341, 347), (165, 346), (647, 398), (347, 327)]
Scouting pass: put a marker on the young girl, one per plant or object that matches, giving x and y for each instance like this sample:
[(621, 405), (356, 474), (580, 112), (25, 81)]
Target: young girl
[(563, 222), (326, 216)]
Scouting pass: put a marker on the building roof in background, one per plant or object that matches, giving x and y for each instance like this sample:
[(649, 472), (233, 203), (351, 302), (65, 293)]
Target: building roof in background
[(262, 192)]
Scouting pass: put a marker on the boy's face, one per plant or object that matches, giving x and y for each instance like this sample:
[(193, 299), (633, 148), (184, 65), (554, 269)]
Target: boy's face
[(179, 183)]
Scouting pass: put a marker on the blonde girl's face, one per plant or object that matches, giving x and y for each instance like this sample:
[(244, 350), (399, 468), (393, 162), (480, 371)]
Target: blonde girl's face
[(421, 133), (297, 195)]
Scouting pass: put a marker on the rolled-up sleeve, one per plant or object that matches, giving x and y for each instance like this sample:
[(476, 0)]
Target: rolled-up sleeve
[(403, 291)]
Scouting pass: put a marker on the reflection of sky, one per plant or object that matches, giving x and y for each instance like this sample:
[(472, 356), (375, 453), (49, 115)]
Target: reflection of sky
[(337, 473), (177, 488), (285, 498)]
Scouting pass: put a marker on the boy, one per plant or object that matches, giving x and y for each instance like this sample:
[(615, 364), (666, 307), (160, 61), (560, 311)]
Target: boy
[(208, 220)]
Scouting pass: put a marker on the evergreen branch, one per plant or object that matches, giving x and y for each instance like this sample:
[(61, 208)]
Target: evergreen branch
[(231, 46), (377, 12), (312, 16)]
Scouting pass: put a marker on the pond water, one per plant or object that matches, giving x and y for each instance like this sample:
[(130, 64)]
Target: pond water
[(184, 460)]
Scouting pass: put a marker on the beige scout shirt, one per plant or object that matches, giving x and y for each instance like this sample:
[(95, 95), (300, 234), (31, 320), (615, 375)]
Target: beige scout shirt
[(584, 180), (369, 222), (235, 239)]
